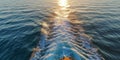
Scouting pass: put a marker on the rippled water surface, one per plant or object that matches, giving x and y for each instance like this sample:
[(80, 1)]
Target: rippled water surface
[(20, 25)]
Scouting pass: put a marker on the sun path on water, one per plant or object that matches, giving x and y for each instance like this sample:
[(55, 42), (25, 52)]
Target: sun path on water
[(63, 3)]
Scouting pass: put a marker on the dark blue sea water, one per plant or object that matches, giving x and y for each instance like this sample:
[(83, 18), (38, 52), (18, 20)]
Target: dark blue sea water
[(20, 25)]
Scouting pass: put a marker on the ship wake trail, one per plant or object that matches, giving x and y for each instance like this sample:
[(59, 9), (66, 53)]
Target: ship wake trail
[(63, 37)]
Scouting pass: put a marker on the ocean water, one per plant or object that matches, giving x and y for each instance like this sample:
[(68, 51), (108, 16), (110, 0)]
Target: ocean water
[(20, 25)]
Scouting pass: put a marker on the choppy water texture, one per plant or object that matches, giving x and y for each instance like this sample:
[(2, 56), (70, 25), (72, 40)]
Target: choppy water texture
[(21, 30)]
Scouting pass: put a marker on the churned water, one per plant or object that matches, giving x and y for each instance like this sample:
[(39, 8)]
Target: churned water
[(20, 25)]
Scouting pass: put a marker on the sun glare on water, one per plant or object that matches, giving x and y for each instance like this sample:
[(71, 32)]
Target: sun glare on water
[(63, 3), (62, 12)]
